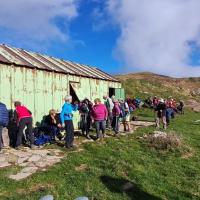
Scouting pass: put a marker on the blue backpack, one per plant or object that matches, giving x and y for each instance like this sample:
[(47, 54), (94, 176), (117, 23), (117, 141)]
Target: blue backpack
[(3, 115), (42, 139)]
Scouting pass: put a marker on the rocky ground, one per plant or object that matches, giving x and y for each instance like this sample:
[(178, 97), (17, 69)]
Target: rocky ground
[(31, 161)]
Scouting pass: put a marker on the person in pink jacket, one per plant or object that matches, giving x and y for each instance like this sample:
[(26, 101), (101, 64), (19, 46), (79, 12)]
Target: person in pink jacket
[(99, 115), (116, 114)]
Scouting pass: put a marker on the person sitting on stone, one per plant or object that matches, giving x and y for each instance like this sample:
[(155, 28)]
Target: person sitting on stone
[(52, 125)]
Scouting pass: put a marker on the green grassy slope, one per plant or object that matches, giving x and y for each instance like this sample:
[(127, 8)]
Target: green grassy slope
[(114, 161), (148, 84)]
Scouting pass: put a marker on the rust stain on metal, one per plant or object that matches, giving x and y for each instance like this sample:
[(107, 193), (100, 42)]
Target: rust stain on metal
[(20, 57)]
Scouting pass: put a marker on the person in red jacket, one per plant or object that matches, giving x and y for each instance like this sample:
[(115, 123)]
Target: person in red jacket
[(24, 119)]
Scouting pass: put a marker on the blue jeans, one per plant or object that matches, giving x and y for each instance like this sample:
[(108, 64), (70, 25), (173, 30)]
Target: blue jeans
[(100, 126), (169, 113)]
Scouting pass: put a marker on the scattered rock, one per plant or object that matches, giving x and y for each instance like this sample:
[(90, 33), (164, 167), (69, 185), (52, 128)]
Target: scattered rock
[(34, 158), (12, 158), (22, 160), (4, 164), (82, 167), (47, 197), (29, 170), (20, 176)]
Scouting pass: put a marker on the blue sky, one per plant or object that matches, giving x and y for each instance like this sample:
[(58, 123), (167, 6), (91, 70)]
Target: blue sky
[(118, 36)]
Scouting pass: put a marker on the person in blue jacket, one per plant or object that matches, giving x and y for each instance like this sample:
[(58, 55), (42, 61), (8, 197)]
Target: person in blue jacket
[(3, 121), (66, 116)]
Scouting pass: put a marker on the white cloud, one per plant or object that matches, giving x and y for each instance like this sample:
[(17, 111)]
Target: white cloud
[(34, 21), (155, 34)]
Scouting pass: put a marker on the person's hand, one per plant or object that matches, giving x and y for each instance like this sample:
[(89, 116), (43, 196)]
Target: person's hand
[(63, 125), (59, 126)]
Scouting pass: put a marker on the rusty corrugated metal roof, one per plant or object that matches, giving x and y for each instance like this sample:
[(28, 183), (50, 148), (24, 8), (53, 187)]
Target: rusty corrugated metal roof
[(20, 57)]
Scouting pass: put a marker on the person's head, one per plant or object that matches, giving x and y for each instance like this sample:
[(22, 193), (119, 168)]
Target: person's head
[(105, 97), (162, 100), (52, 112), (121, 100), (113, 97), (116, 102), (17, 103), (68, 99), (97, 101)]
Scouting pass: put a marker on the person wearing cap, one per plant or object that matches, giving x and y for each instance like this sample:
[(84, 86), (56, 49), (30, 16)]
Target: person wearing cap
[(66, 116), (116, 114), (161, 114)]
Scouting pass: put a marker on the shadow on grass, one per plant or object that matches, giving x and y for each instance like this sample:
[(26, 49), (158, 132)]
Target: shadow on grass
[(124, 186)]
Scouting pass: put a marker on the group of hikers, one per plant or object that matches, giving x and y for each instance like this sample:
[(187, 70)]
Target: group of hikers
[(99, 115), (165, 110)]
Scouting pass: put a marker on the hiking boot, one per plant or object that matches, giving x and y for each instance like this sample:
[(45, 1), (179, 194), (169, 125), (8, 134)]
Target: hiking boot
[(33, 147), (88, 137)]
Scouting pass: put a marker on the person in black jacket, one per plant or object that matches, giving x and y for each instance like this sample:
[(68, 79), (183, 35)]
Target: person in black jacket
[(161, 114), (3, 121), (52, 124)]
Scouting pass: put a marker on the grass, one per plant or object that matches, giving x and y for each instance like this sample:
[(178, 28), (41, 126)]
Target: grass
[(150, 88), (110, 164)]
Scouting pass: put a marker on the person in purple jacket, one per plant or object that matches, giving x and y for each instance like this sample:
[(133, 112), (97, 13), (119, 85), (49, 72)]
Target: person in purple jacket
[(99, 115), (116, 114)]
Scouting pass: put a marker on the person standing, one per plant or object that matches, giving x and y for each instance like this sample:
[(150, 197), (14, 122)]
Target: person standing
[(109, 105), (23, 117), (116, 114), (125, 114), (99, 115), (3, 121), (84, 115), (66, 116), (161, 114)]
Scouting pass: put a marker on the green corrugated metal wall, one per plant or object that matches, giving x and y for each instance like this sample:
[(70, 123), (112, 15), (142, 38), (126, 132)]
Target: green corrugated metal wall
[(41, 91)]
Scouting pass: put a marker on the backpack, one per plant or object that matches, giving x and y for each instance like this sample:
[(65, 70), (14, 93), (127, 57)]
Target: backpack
[(3, 115), (84, 109), (123, 108), (42, 139)]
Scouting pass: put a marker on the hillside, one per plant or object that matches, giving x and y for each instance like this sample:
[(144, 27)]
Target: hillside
[(148, 84)]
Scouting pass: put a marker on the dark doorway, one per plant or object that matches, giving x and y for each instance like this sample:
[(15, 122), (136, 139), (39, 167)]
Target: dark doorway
[(73, 94), (111, 92)]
